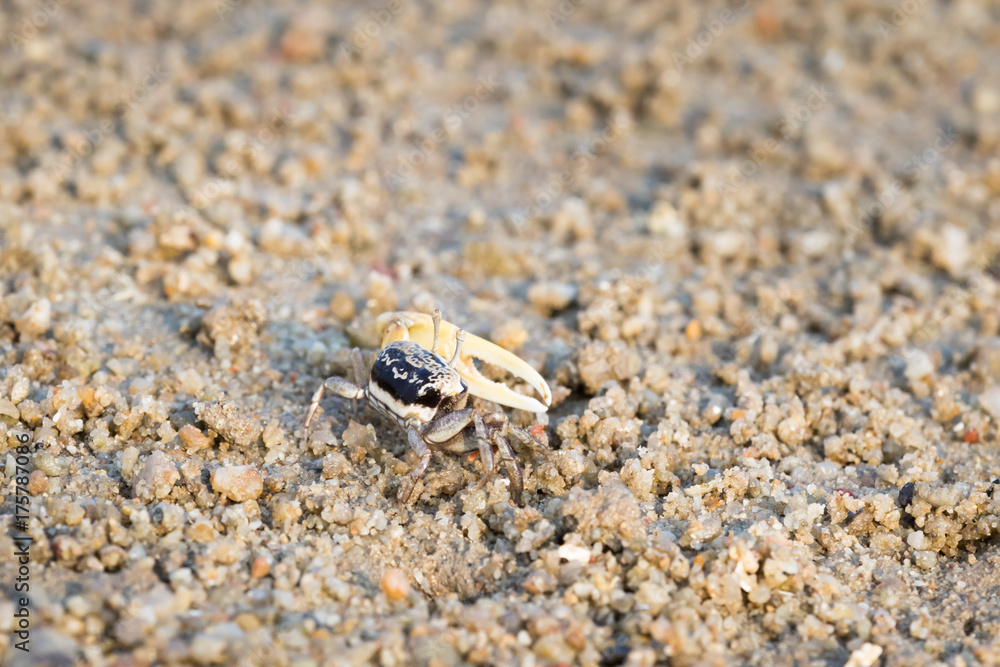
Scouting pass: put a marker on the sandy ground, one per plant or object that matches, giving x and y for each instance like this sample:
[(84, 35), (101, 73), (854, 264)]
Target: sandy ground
[(753, 247)]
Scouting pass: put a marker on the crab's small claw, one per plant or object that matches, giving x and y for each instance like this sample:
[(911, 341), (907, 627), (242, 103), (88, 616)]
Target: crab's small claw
[(419, 328)]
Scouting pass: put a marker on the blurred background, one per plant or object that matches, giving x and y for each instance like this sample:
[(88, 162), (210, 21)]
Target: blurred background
[(721, 230)]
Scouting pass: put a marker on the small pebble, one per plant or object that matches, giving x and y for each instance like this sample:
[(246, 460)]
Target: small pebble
[(342, 306), (38, 483), (990, 400), (988, 359), (792, 431), (574, 553), (905, 496), (233, 328), (36, 320), (241, 270), (238, 483), (866, 656), (551, 296), (918, 365), (952, 252), (193, 439), (510, 335), (664, 221), (156, 477), (261, 566), (395, 585), (230, 422)]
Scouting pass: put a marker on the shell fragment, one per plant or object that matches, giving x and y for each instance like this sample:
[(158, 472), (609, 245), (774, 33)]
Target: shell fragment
[(419, 328)]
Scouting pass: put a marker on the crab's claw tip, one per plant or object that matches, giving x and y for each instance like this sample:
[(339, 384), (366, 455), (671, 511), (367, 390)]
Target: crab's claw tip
[(494, 391)]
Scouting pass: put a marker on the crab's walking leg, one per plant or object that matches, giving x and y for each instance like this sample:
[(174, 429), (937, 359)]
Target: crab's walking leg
[(459, 341), (339, 386), (358, 364), (440, 430), (418, 445), (506, 455), (360, 376), (500, 422), (437, 330), (485, 450), (523, 436)]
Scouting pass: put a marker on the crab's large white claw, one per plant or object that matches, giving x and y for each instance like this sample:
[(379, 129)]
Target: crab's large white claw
[(419, 328)]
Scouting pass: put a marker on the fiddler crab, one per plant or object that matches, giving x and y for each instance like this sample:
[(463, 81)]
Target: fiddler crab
[(412, 384)]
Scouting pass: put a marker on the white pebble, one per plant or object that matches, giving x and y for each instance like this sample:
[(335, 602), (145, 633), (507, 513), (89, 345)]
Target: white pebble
[(36, 319), (574, 553), (238, 483), (952, 252), (157, 477), (990, 400), (866, 656), (918, 365)]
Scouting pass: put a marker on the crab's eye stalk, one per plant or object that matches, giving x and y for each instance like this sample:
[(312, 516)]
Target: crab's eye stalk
[(437, 330), (459, 341)]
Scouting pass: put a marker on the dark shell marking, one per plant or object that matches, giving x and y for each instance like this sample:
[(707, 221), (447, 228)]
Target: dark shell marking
[(413, 375)]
